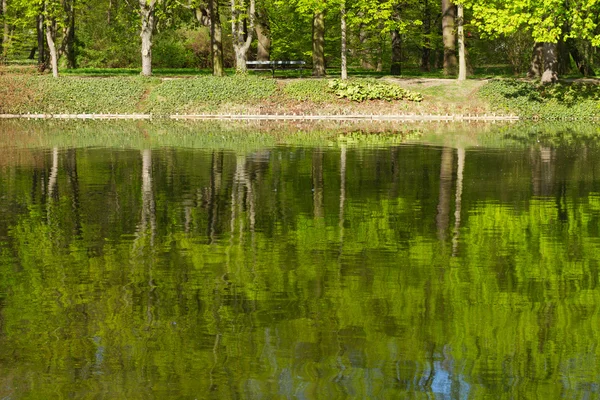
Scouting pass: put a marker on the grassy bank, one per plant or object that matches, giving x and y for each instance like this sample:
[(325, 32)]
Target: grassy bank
[(29, 93)]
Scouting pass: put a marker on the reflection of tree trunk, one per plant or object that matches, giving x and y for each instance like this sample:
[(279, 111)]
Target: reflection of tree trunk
[(317, 175), (342, 193), (443, 209), (148, 205), (458, 199), (52, 189), (215, 186), (71, 168)]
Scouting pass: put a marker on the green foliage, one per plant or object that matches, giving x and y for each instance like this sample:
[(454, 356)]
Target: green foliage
[(529, 100), (315, 90), (361, 90), (184, 95), (43, 94)]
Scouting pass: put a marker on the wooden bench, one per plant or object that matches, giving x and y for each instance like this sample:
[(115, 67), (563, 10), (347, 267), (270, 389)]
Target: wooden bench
[(273, 65)]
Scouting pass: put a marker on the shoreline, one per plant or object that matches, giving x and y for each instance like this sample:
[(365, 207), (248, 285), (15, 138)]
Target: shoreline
[(278, 117)]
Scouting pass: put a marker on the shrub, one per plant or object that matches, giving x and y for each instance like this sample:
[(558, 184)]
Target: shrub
[(369, 89)]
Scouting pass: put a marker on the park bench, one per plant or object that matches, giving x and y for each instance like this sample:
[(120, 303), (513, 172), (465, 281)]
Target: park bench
[(273, 65)]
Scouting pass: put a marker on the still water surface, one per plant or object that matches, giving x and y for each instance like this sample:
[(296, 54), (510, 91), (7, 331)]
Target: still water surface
[(300, 272)]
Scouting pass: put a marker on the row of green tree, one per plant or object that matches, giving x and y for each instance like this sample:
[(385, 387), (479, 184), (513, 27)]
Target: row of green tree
[(372, 33)]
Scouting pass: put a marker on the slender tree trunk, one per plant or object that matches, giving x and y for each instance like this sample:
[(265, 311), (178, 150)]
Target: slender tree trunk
[(537, 61), (426, 48), (449, 36), (318, 44), (242, 37), (50, 34), (550, 74), (344, 50), (70, 45), (147, 12), (396, 68), (442, 219), (216, 38), (458, 200), (5, 30), (109, 12), (462, 56), (41, 42)]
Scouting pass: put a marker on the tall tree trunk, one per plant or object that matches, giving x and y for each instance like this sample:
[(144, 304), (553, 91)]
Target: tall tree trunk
[(216, 38), (462, 55), (564, 58), (582, 65), (263, 37), (70, 39), (458, 199), (426, 48), (147, 13), (344, 50), (50, 35), (550, 74), (318, 44), (396, 68), (242, 37), (5, 30), (449, 36), (41, 42), (537, 61)]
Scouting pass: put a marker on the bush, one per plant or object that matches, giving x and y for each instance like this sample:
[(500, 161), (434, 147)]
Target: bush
[(556, 101), (315, 90), (368, 89)]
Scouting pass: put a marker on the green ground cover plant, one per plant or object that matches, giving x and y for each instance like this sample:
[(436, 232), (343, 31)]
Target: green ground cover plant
[(369, 89), (559, 101)]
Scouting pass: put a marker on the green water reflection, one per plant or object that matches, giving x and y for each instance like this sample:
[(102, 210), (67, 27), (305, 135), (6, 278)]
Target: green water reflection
[(300, 272)]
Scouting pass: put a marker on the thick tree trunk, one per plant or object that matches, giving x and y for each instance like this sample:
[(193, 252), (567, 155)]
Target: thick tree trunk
[(362, 38), (216, 38), (449, 37), (550, 74), (582, 65), (426, 49), (263, 37), (318, 44), (147, 11), (564, 58), (537, 61), (52, 46), (344, 50), (462, 55), (242, 37), (396, 68)]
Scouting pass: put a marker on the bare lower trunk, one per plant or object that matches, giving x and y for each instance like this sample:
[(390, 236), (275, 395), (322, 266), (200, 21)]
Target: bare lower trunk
[(396, 68), (263, 48), (462, 56), (449, 36), (70, 44), (242, 37), (148, 20), (41, 44), (318, 44), (426, 50), (5, 30), (442, 218), (537, 61), (216, 38), (52, 47), (550, 74), (344, 50)]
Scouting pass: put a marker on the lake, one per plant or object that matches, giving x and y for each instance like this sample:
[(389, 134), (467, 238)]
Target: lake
[(146, 261)]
